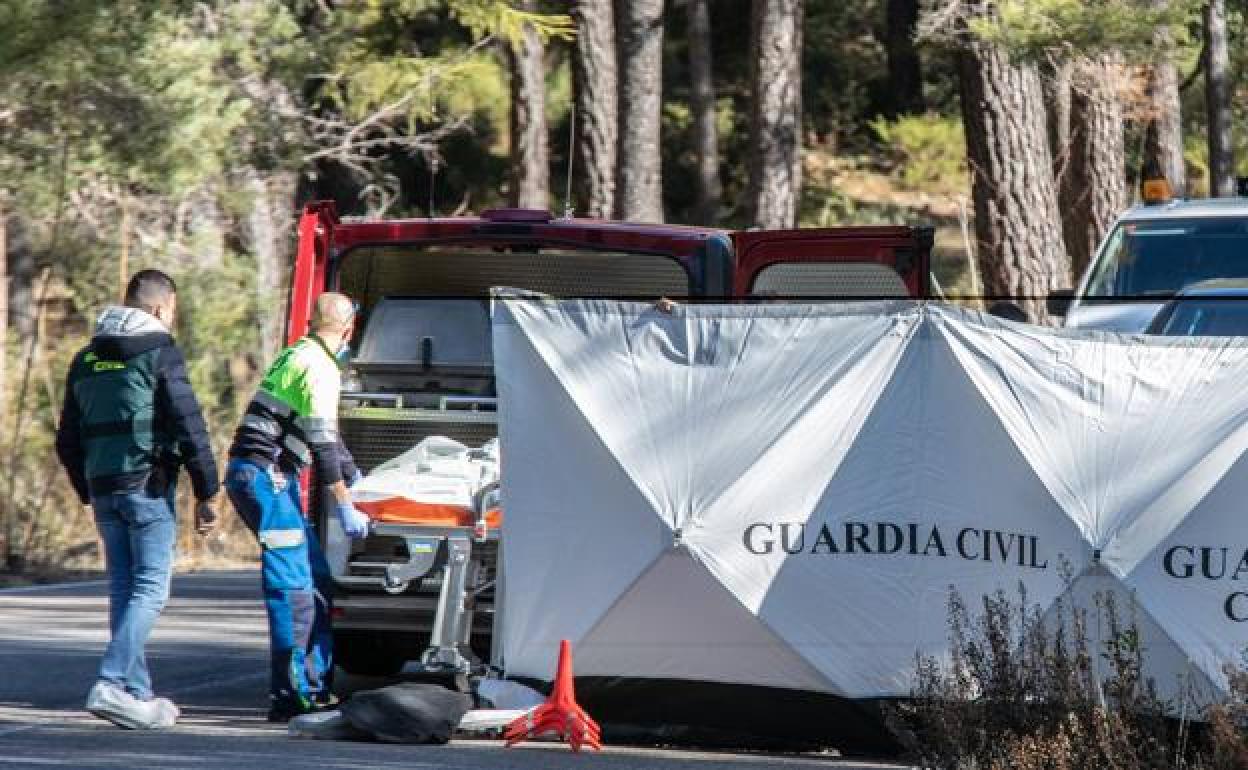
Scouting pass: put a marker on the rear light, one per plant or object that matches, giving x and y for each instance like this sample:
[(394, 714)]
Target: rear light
[(337, 613), (1155, 191)]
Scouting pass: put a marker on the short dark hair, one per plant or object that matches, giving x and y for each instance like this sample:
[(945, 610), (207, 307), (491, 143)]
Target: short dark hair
[(149, 288)]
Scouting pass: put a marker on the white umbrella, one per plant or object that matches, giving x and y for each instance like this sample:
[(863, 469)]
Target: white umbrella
[(783, 495)]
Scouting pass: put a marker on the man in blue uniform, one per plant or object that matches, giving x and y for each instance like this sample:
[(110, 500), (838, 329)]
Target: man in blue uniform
[(291, 423)]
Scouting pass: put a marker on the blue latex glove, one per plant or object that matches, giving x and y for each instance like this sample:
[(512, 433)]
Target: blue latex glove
[(354, 523)]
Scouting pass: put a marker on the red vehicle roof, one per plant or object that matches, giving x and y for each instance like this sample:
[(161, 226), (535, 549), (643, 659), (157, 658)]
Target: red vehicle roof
[(737, 257)]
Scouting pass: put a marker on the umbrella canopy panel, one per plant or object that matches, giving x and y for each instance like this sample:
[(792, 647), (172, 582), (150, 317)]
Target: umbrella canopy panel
[(785, 495)]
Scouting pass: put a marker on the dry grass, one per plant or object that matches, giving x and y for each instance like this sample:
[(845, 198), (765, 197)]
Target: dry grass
[(844, 191), (1017, 694)]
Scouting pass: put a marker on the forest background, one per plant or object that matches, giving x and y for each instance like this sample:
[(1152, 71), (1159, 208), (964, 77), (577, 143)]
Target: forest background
[(186, 135)]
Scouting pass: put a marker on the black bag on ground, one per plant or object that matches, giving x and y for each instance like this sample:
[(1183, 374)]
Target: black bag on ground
[(409, 712)]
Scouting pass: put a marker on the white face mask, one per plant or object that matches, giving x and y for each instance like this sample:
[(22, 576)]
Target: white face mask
[(343, 353)]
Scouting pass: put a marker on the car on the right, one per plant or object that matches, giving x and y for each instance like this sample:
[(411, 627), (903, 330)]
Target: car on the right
[(1152, 253), (1217, 308)]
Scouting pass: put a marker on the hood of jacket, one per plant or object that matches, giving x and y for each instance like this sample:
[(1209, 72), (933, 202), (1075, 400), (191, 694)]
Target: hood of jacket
[(125, 332)]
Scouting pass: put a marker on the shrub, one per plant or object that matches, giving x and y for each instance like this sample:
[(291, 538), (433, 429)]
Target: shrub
[(1228, 723), (1017, 693), (929, 152)]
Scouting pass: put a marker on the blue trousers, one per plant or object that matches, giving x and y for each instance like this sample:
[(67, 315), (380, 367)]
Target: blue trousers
[(139, 534), (296, 582)]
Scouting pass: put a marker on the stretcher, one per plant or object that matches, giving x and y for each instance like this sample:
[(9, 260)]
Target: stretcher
[(442, 518)]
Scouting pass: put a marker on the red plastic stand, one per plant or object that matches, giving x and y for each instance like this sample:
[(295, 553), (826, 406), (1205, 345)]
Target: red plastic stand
[(559, 715)]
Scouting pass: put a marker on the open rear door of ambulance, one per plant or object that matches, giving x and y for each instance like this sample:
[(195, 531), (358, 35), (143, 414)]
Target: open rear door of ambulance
[(843, 263), (307, 281)]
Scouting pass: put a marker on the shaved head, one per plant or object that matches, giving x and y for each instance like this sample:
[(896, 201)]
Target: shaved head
[(333, 312)]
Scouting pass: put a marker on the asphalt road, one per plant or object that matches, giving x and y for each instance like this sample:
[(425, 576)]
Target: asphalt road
[(208, 654)]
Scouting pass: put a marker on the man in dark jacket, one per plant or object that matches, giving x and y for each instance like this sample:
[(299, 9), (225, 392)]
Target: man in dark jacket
[(129, 422)]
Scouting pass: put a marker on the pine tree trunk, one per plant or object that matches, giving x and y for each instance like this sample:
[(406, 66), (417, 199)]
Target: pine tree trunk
[(530, 150), (1056, 83), (702, 103), (4, 312), (596, 82), (905, 74), (22, 270), (1163, 136), (1017, 226), (776, 113), (268, 232), (1218, 102), (639, 179), (1094, 187)]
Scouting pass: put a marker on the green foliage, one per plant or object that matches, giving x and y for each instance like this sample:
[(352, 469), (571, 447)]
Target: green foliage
[(376, 67), (929, 150), (195, 115), (60, 88), (558, 92), (165, 97), (1196, 157), (825, 205), (153, 106), (33, 29), (842, 47), (1084, 26), (216, 316), (498, 18)]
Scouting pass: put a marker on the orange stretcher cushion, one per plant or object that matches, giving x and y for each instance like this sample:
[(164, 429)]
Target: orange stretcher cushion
[(398, 510)]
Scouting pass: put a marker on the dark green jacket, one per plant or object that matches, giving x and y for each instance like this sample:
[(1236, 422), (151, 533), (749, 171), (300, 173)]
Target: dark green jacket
[(130, 418)]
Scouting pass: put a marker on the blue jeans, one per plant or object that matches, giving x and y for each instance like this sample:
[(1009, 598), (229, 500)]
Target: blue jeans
[(139, 535), (296, 582)]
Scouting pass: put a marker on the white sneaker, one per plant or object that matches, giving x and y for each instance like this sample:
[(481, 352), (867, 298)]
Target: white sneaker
[(108, 701), (167, 713)]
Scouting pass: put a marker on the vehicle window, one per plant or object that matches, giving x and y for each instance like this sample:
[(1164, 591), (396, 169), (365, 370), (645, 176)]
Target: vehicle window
[(1227, 317), (452, 332), (1156, 259), (368, 274), (828, 279)]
